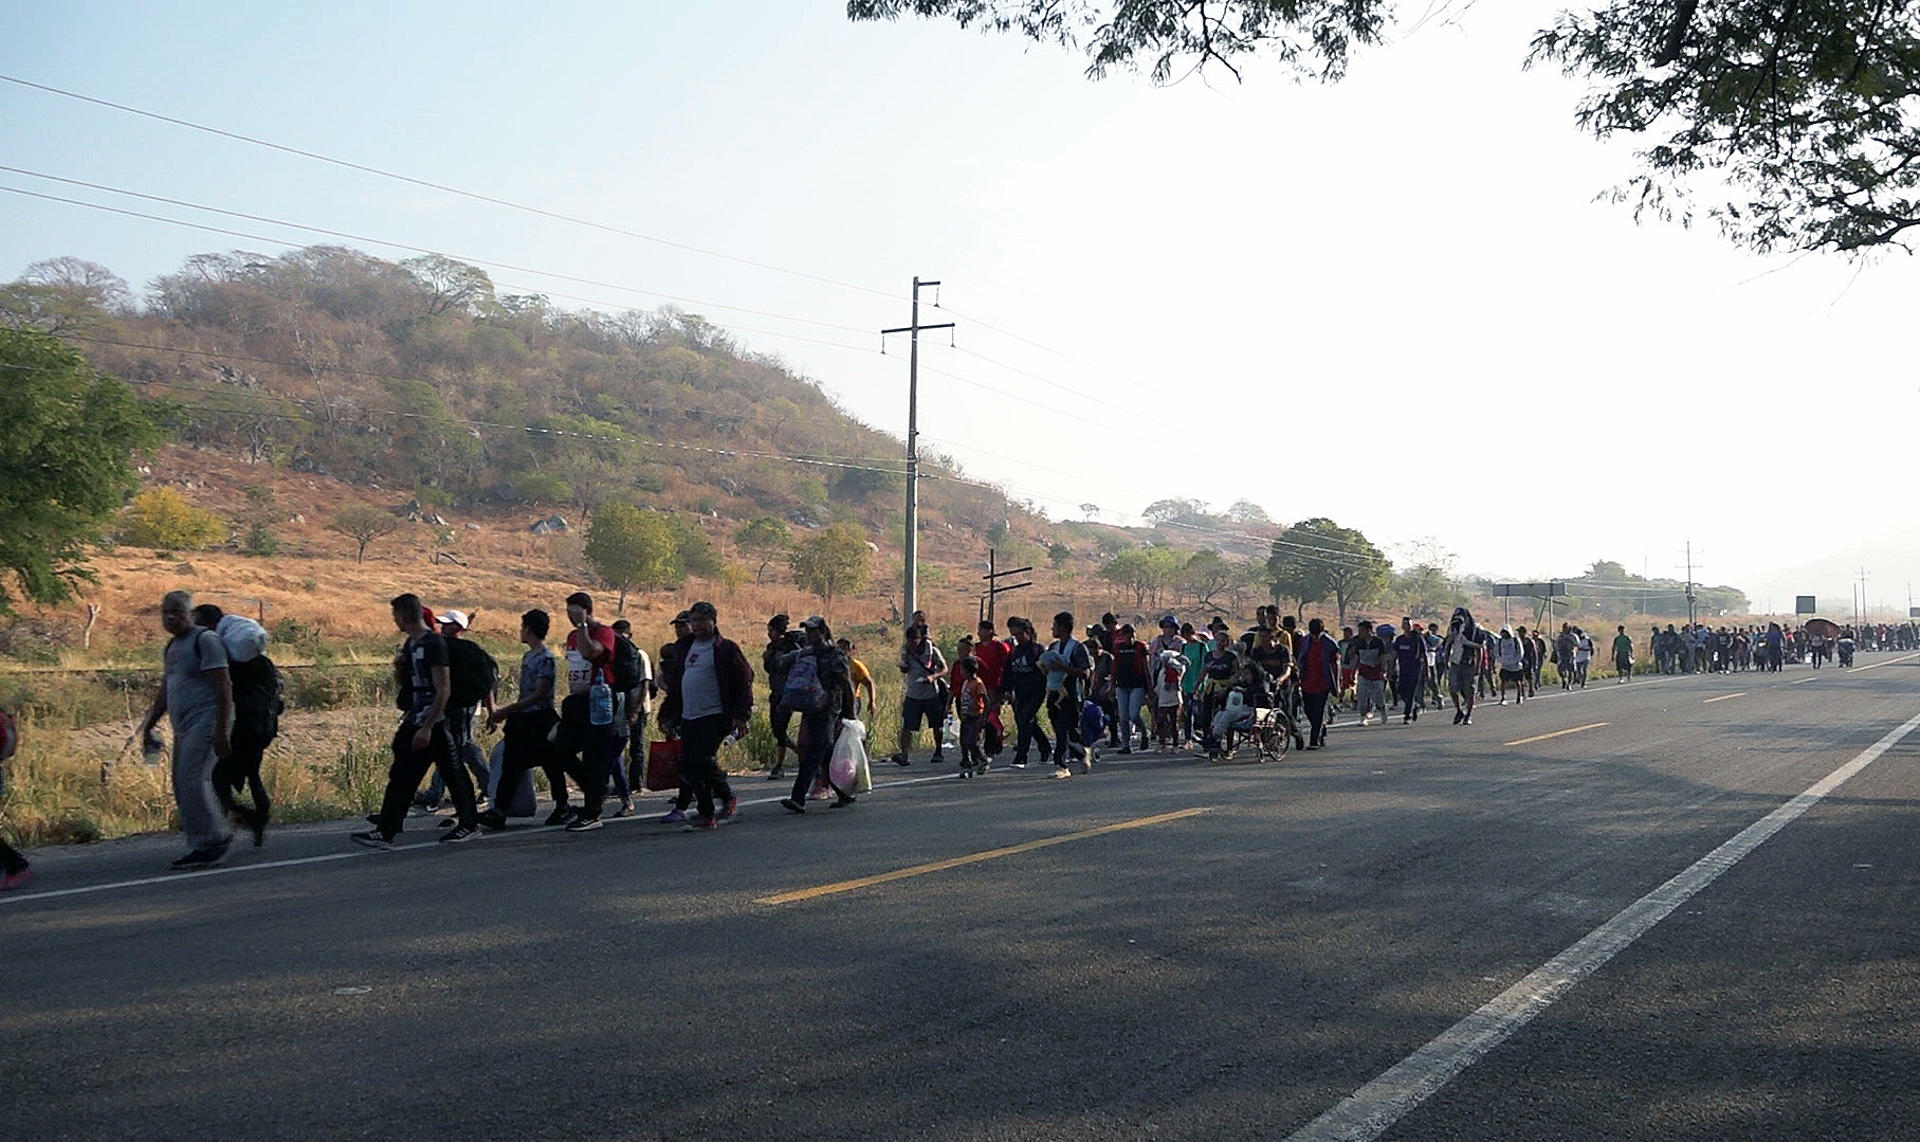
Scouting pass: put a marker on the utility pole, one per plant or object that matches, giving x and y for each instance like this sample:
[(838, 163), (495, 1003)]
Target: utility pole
[(1860, 606), (1691, 619), (994, 589), (911, 587)]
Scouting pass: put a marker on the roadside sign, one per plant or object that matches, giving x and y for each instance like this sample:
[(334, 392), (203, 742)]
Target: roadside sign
[(1803, 605), (1528, 590)]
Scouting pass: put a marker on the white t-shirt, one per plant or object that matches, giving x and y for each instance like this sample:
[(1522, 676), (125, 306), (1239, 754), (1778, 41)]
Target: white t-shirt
[(700, 682)]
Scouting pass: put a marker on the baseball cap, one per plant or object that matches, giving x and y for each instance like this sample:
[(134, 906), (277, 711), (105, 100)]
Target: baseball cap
[(681, 618), (456, 618), (1169, 621), (702, 611), (813, 622)]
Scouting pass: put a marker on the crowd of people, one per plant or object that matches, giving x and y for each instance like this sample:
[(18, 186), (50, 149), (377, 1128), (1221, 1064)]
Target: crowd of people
[(585, 711)]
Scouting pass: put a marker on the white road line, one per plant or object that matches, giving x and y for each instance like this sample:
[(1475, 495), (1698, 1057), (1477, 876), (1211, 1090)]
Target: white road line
[(1878, 665), (1804, 681), (355, 854), (1370, 1111), (1722, 698)]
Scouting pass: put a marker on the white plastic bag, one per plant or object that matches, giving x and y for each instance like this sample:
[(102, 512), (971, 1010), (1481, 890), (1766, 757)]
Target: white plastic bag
[(848, 765), (244, 639)]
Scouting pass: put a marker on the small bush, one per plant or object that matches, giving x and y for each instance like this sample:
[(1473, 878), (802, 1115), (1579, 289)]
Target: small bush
[(162, 517)]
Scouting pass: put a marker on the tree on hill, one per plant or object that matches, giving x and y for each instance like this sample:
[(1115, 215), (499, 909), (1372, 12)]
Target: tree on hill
[(832, 561), (1317, 559), (1192, 513), (162, 518), (631, 549), (1801, 113), (1146, 572), (765, 539), (67, 451), (364, 524)]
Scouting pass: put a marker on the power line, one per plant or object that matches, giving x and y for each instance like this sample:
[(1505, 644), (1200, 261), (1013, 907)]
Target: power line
[(442, 187)]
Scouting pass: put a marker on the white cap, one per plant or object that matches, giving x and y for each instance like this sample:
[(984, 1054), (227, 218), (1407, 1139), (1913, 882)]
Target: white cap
[(457, 618)]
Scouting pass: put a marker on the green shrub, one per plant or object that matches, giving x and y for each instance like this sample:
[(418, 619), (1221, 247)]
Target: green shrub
[(162, 517)]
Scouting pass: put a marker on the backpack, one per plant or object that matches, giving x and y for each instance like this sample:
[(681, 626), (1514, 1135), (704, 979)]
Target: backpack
[(9, 735), (626, 664), (472, 672), (803, 691), (257, 702)]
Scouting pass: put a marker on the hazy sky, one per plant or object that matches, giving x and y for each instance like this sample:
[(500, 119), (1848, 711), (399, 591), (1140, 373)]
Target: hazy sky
[(1305, 296)]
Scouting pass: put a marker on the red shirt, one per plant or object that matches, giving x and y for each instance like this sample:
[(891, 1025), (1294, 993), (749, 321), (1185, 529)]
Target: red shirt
[(992, 656), (581, 674)]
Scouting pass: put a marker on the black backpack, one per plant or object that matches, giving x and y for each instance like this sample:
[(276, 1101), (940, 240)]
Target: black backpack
[(472, 672), (626, 664), (257, 703)]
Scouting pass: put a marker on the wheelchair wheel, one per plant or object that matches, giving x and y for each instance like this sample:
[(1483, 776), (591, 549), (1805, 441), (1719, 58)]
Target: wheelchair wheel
[(1273, 739)]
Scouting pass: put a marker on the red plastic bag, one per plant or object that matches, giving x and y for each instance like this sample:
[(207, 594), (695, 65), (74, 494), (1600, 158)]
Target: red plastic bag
[(663, 765)]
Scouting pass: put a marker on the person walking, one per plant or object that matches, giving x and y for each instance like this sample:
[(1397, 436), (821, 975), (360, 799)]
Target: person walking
[(256, 722), (1319, 660), (781, 646), (1463, 650), (639, 702), (1068, 668), (709, 699), (421, 742), (1512, 657), (1025, 686), (196, 695), (818, 687), (1622, 655), (589, 741), (1132, 673), (1410, 653), (530, 720), (924, 669), (1367, 658)]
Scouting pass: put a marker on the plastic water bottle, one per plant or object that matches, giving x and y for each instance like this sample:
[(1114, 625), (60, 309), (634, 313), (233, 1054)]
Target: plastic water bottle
[(600, 704)]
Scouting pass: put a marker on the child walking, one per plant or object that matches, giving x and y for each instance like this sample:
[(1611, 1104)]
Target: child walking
[(971, 697)]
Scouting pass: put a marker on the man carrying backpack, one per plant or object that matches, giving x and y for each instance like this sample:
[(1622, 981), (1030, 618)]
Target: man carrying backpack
[(780, 649), (633, 671), (589, 739), (475, 677), (256, 722), (819, 688)]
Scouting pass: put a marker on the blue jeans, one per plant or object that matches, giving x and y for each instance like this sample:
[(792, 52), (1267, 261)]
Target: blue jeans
[(1131, 699)]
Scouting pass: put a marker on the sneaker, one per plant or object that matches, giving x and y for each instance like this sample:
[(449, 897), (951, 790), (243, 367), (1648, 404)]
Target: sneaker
[(206, 856), (1467, 721), (842, 801), (561, 815), (1060, 771), (449, 823), (625, 809), (1019, 765), (584, 824), (1126, 749), (700, 824), (732, 807), (674, 817), (1458, 717), (15, 880), (776, 773), (898, 759), (792, 806), (373, 839), (257, 825), (492, 819), (461, 834), (423, 810)]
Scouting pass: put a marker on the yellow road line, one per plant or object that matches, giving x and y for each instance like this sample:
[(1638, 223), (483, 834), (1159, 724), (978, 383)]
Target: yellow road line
[(1559, 733), (972, 858), (1722, 698)]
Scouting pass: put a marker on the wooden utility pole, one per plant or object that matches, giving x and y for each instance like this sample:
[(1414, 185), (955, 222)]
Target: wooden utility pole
[(911, 587)]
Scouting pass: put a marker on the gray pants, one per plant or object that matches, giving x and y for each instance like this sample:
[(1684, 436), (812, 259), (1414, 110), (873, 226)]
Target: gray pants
[(1372, 693), (193, 761)]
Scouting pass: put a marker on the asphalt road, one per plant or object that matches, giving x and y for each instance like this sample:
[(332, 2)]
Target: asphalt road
[(1368, 919)]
